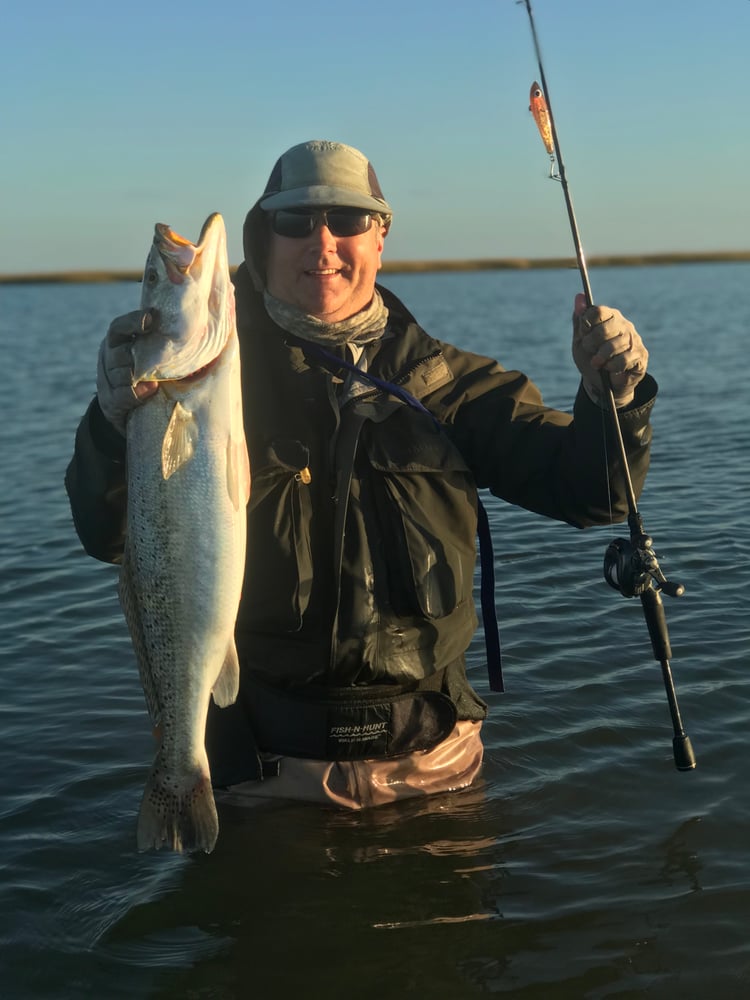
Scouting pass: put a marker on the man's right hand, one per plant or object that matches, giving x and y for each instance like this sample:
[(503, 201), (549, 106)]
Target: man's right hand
[(114, 373)]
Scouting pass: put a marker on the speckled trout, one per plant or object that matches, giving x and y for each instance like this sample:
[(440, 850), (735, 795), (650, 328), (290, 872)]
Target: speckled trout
[(188, 486)]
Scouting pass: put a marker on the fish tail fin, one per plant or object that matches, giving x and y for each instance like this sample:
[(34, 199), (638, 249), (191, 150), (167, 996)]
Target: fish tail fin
[(178, 814), (227, 685)]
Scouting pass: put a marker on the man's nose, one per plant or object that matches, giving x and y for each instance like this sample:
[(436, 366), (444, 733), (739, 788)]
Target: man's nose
[(322, 235)]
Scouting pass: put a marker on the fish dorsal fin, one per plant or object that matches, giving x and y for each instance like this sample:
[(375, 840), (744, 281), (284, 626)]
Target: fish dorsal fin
[(227, 685), (179, 442)]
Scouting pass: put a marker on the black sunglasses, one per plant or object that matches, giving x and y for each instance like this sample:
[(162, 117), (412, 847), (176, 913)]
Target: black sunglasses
[(299, 222)]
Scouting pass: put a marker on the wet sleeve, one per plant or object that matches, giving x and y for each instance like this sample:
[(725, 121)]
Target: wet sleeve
[(96, 486)]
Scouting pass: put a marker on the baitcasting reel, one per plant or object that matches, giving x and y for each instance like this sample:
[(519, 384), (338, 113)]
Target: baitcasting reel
[(630, 566)]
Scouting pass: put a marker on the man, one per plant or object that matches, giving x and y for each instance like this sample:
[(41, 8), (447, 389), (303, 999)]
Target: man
[(368, 440)]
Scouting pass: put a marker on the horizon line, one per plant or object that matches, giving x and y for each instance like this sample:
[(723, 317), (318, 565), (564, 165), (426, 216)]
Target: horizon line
[(86, 275)]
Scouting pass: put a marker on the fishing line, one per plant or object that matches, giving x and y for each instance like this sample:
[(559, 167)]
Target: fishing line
[(630, 565)]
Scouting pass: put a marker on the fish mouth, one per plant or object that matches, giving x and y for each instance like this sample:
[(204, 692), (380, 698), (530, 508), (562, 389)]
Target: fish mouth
[(190, 286), (165, 233), (179, 254)]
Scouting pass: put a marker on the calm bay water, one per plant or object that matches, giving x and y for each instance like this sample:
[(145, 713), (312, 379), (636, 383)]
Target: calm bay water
[(582, 865)]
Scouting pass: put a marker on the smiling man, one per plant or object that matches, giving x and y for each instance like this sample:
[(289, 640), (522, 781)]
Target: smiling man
[(330, 277), (368, 440)]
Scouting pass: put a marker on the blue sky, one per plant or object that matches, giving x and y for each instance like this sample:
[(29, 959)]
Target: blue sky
[(117, 116)]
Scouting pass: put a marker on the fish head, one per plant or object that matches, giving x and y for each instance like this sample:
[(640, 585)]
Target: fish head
[(188, 286)]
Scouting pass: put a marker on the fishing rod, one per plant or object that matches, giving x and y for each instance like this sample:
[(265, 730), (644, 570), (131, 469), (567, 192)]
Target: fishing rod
[(630, 565)]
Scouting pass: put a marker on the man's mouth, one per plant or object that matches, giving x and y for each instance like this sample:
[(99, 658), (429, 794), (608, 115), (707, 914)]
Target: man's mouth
[(322, 271)]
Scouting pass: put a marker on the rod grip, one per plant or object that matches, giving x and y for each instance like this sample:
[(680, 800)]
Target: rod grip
[(656, 620)]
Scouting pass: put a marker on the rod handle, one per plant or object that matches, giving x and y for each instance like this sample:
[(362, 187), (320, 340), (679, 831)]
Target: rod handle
[(656, 621)]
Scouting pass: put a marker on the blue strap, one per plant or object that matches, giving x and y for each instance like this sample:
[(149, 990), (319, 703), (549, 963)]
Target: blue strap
[(487, 598), (486, 555)]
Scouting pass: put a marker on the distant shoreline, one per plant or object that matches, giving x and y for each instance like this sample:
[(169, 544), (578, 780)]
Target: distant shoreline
[(427, 266)]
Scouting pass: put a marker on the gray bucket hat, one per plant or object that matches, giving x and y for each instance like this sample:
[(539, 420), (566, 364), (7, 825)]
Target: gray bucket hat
[(321, 173)]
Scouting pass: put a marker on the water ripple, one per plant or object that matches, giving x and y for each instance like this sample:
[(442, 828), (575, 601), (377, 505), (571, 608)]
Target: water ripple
[(582, 864)]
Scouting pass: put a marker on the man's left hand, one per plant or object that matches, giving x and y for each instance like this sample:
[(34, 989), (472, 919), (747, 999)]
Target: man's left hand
[(604, 339)]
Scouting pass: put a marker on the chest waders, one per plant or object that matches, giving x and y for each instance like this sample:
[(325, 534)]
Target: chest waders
[(323, 722)]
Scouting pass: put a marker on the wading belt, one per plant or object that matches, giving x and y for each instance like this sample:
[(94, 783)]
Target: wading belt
[(322, 723), (328, 723), (486, 555)]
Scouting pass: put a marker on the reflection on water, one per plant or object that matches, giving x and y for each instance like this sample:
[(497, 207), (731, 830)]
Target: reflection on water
[(581, 865)]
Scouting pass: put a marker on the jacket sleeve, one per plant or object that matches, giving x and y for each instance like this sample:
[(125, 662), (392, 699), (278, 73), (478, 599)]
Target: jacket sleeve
[(96, 485), (565, 466)]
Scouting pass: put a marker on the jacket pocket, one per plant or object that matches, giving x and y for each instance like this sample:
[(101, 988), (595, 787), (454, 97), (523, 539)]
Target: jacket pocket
[(278, 577), (426, 503)]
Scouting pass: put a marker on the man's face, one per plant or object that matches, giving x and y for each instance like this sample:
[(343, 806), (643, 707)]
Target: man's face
[(330, 277)]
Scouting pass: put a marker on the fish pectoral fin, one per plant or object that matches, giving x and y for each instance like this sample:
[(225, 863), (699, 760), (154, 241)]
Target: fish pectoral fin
[(238, 473), (227, 685), (180, 439)]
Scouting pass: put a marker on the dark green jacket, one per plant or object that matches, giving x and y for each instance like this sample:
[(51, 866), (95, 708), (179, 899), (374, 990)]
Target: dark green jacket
[(362, 517)]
